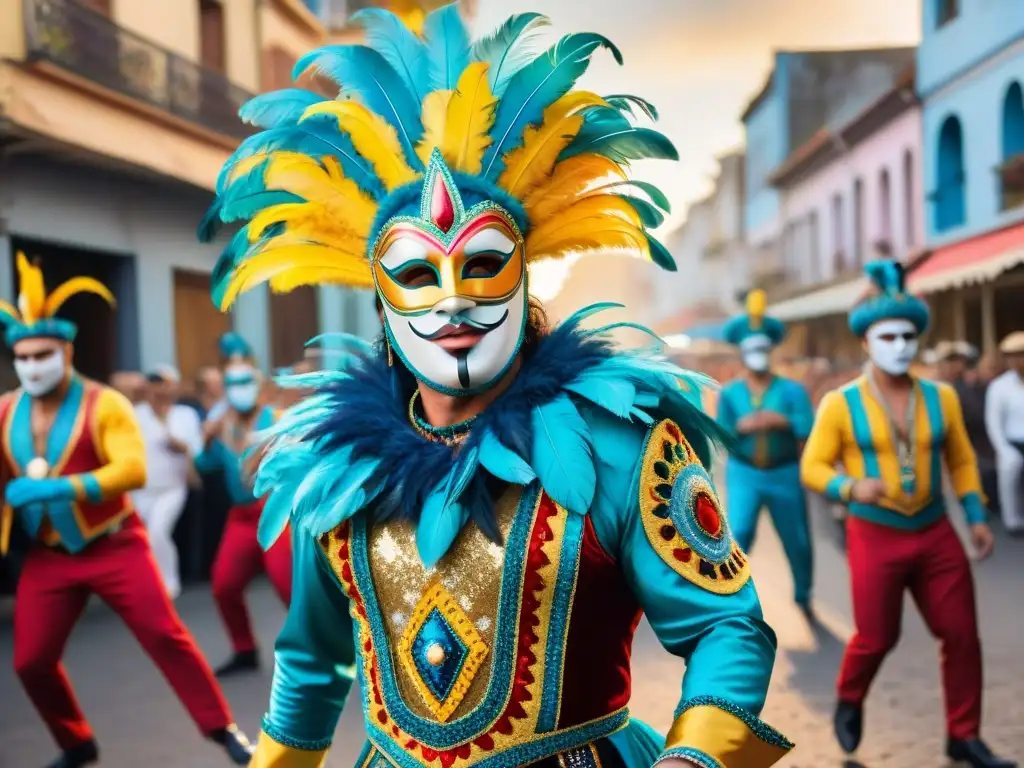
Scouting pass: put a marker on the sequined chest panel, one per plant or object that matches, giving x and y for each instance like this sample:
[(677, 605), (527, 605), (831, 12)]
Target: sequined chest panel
[(461, 664)]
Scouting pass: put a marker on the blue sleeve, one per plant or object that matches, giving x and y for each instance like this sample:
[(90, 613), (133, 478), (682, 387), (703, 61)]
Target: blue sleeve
[(210, 459), (726, 413), (801, 415), (715, 625), (313, 657)]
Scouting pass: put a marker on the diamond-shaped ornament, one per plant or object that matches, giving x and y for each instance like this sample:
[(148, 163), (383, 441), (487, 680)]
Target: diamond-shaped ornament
[(441, 651)]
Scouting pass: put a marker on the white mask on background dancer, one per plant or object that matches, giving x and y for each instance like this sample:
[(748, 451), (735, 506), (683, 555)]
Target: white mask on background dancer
[(892, 346), (755, 352), (39, 377)]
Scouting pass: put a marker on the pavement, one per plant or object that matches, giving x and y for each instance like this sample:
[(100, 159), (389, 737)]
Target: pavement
[(140, 723)]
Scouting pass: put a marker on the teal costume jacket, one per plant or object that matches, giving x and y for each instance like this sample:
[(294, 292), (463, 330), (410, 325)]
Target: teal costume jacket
[(773, 448), (218, 456), (485, 589)]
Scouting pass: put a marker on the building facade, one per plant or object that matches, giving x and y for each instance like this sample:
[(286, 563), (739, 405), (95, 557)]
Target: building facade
[(970, 77), (850, 194)]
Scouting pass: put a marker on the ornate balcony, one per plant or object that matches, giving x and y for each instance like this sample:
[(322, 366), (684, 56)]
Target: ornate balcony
[(88, 45)]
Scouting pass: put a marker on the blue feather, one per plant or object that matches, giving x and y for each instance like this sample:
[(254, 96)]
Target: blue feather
[(562, 455), (660, 254), (886, 275), (534, 88), (625, 102), (509, 48), (440, 523), (349, 495), (210, 224), (273, 519), (391, 38), (656, 195), (277, 108), (503, 463), (365, 73), (447, 47), (649, 215), (620, 143), (617, 396), (462, 473)]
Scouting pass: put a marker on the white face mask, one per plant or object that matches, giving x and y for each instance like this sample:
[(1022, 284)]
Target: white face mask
[(756, 353), (40, 377), (892, 346), (241, 387)]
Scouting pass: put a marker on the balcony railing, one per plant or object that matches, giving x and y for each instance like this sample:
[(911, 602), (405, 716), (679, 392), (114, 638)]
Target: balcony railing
[(89, 45)]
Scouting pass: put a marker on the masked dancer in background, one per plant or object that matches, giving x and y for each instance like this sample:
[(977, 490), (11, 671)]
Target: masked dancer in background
[(892, 431), (75, 451), (239, 558), (771, 417), (494, 505)]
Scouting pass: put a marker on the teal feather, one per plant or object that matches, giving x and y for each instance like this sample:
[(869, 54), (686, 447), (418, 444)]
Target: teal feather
[(440, 523), (620, 144), (401, 48), (210, 224), (562, 454), (277, 509), (503, 463), (462, 473), (345, 497), (656, 195), (625, 102), (447, 47), (534, 88), (886, 275), (364, 72), (660, 254), (625, 324), (277, 108), (509, 48), (649, 214), (229, 258), (6, 318), (583, 313), (616, 396)]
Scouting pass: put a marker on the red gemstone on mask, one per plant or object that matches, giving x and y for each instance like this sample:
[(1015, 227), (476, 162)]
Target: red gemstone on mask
[(707, 516), (442, 209)]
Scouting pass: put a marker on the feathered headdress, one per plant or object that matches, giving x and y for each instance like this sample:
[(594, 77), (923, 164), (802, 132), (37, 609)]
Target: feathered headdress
[(232, 346), (887, 299), (320, 182), (34, 315), (754, 322)]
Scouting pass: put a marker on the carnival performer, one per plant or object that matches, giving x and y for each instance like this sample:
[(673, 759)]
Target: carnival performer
[(74, 450), (891, 431), (239, 557), (771, 417), (495, 504)]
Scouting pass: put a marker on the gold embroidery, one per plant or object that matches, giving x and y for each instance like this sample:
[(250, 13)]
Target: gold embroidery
[(695, 551), (453, 619)]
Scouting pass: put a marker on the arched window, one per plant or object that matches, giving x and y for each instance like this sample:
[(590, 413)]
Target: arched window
[(884, 211), (909, 212), (946, 11), (1011, 170), (948, 197)]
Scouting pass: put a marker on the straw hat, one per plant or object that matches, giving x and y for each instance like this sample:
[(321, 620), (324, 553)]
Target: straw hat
[(1013, 344)]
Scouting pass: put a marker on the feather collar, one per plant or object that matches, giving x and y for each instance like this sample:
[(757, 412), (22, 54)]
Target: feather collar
[(350, 447)]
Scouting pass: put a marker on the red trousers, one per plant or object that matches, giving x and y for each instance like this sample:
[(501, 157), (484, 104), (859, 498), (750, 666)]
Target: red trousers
[(239, 559), (52, 592), (932, 565)]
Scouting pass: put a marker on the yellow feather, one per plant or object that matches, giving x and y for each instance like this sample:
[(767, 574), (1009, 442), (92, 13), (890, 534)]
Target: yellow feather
[(372, 137), (528, 166), (74, 286), (434, 117), (32, 291), (7, 308), (757, 303), (596, 233), (307, 261), (307, 222), (570, 179), (323, 185), (469, 120)]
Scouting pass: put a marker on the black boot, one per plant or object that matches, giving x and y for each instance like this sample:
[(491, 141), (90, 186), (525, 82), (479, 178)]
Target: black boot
[(849, 724), (246, 661), (235, 744), (975, 753), (86, 753)]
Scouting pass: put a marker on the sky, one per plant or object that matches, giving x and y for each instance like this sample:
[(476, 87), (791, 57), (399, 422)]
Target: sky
[(701, 61)]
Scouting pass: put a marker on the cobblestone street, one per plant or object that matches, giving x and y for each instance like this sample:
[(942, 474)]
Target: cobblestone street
[(139, 723)]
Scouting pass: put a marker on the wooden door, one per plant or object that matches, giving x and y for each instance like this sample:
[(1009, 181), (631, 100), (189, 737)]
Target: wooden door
[(198, 324), (211, 35), (294, 320)]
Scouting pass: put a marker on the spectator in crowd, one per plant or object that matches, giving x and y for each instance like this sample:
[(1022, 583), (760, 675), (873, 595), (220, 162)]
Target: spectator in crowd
[(209, 391), (173, 435), (990, 367), (131, 384), (1004, 417)]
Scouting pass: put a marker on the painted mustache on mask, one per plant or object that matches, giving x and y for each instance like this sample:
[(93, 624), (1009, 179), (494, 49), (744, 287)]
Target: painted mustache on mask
[(457, 324)]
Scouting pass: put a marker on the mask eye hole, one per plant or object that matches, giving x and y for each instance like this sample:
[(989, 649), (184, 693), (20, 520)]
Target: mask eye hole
[(417, 275), (483, 266)]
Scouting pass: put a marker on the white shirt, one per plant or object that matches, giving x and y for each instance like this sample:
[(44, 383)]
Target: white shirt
[(166, 468), (1004, 411)]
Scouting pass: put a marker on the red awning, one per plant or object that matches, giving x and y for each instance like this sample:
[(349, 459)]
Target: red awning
[(978, 260)]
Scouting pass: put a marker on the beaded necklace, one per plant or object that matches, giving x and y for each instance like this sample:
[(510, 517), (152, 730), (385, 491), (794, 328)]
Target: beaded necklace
[(906, 445), (453, 434)]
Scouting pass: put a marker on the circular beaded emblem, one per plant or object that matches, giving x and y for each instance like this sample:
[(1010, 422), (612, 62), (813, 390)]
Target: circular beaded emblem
[(697, 515)]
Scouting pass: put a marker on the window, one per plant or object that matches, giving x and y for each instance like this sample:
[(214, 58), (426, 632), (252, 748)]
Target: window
[(948, 197), (884, 211), (1011, 170), (946, 11), (909, 219), (211, 35), (858, 222), (838, 265), (812, 249)]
